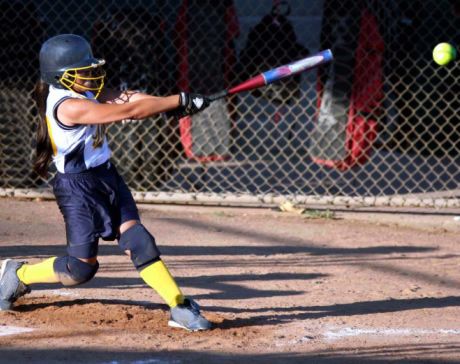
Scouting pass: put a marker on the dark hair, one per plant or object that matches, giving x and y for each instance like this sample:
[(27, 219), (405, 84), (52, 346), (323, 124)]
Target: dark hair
[(98, 138), (44, 150)]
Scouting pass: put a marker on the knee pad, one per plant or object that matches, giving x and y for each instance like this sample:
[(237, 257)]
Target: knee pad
[(141, 244), (72, 271)]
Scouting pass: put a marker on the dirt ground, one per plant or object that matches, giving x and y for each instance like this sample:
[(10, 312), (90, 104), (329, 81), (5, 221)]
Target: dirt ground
[(365, 286)]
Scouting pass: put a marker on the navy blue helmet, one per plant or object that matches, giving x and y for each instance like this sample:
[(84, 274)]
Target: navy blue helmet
[(66, 57)]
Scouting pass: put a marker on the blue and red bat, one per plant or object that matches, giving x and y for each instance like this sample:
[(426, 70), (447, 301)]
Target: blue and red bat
[(277, 74)]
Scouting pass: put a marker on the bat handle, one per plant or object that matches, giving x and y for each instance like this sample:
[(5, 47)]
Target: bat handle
[(218, 95)]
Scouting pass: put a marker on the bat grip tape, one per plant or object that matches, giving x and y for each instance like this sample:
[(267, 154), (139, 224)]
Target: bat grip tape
[(218, 95)]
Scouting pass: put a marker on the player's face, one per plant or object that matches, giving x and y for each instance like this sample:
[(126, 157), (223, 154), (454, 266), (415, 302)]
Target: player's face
[(85, 79), (89, 78)]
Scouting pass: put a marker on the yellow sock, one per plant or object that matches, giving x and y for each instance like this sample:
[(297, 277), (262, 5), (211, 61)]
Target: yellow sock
[(158, 277), (42, 272)]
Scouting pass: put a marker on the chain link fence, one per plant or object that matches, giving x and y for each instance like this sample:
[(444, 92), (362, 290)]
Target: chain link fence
[(379, 125)]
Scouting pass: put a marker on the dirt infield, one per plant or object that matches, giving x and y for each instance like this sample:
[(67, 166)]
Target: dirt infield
[(368, 287)]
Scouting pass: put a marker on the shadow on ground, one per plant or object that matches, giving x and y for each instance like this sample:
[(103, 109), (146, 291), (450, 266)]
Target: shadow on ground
[(384, 354), (274, 315)]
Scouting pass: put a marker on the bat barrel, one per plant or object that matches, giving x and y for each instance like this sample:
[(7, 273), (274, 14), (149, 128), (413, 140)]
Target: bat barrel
[(296, 67)]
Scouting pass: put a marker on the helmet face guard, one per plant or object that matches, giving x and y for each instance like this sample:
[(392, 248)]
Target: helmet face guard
[(66, 61), (92, 73)]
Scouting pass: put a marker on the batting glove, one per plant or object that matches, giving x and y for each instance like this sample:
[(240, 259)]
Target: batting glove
[(190, 104)]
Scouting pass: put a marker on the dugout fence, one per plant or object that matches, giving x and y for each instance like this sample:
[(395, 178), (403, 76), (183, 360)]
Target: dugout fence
[(378, 126)]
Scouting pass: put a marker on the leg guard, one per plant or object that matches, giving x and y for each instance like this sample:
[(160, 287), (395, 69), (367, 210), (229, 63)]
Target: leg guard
[(72, 271), (141, 244)]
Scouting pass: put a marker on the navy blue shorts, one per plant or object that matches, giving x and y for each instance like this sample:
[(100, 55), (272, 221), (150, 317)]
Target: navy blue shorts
[(94, 204)]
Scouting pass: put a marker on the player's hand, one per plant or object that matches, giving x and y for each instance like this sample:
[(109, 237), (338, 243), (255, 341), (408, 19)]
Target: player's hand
[(190, 104)]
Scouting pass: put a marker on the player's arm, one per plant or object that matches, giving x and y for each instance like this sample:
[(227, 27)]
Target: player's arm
[(115, 106), (83, 111)]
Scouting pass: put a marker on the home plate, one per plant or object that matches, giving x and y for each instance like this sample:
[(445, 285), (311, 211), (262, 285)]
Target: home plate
[(13, 330)]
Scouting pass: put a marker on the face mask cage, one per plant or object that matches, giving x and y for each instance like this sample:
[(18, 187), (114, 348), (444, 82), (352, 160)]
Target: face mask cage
[(77, 76)]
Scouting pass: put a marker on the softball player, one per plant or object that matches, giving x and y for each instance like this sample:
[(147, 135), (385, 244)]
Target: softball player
[(92, 197)]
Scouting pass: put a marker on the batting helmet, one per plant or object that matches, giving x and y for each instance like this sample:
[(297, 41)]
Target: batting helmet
[(66, 57)]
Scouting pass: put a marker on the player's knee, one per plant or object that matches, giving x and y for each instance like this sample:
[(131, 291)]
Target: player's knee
[(141, 245), (73, 271)]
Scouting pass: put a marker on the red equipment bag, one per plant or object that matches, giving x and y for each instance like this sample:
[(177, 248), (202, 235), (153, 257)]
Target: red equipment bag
[(350, 90)]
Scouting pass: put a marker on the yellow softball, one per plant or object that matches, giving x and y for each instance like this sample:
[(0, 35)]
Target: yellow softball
[(444, 53)]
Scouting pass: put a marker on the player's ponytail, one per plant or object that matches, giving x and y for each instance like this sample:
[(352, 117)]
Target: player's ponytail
[(44, 150)]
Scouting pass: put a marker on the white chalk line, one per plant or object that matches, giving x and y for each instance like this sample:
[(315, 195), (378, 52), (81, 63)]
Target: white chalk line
[(61, 292), (337, 334), (13, 330)]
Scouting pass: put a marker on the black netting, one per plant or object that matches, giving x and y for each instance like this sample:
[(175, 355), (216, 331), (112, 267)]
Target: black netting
[(381, 120)]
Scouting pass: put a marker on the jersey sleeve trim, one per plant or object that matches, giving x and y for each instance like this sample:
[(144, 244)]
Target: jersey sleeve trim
[(59, 123)]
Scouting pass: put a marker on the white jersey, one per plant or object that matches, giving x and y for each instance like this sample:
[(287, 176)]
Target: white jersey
[(73, 150)]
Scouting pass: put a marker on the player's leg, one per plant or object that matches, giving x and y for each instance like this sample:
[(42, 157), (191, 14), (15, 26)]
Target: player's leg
[(82, 216), (58, 270), (83, 206), (16, 277), (140, 245), (42, 272), (74, 271), (145, 255), (79, 266)]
